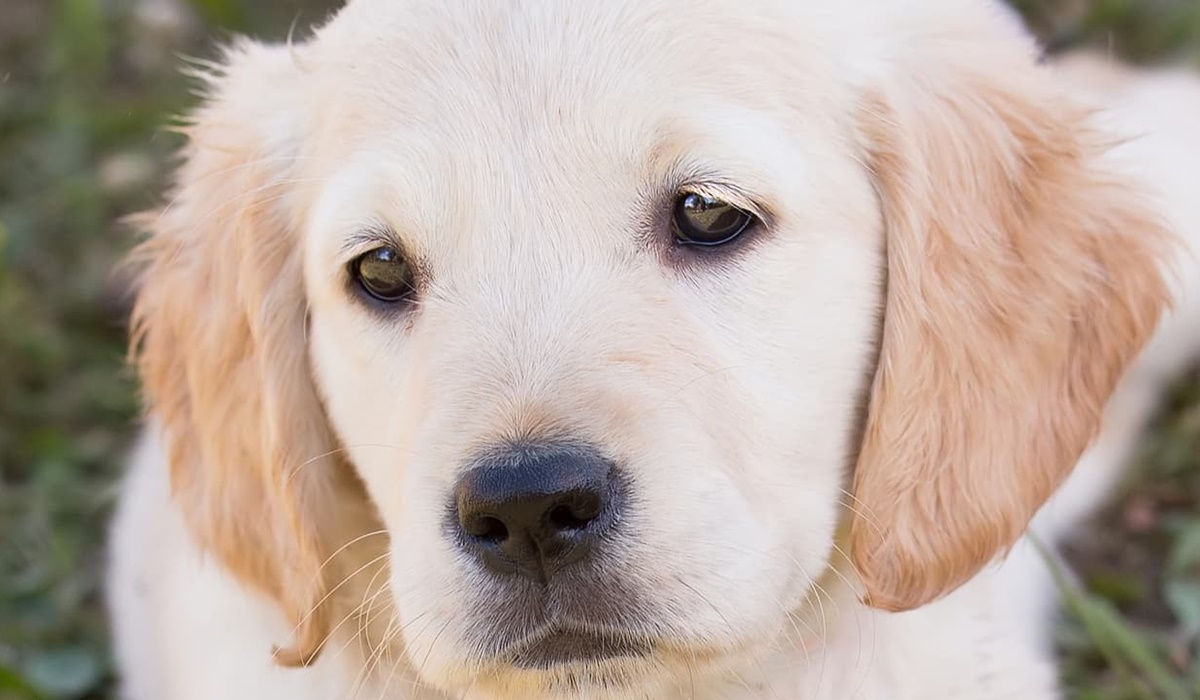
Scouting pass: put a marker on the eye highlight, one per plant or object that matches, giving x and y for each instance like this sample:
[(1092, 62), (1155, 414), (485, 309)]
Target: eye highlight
[(384, 274), (700, 220)]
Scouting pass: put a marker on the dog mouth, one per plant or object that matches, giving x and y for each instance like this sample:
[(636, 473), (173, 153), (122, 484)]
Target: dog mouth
[(562, 646)]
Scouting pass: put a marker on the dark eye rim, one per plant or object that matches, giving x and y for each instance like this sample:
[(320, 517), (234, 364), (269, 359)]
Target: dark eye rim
[(752, 221), (354, 268)]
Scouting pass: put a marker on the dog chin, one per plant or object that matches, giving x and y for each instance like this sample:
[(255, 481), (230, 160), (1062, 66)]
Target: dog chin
[(565, 664), (614, 678)]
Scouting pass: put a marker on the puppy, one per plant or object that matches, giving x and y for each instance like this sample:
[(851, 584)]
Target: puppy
[(502, 349)]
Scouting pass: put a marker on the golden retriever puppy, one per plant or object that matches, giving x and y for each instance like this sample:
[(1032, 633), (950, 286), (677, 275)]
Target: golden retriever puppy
[(503, 349)]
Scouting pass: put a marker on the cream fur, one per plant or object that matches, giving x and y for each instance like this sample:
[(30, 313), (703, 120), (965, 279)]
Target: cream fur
[(952, 237)]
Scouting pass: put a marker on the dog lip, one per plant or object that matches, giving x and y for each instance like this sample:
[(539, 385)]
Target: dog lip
[(560, 646)]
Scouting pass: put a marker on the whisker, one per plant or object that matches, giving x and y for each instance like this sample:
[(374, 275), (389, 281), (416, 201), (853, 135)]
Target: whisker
[(335, 589), (353, 612), (356, 540), (364, 617), (390, 677), (428, 652), (865, 513), (362, 678), (345, 448), (732, 633)]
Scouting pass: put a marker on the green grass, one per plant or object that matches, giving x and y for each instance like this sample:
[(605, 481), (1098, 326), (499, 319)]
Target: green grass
[(83, 90)]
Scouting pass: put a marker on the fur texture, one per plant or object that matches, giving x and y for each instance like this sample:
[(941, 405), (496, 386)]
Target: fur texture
[(836, 430)]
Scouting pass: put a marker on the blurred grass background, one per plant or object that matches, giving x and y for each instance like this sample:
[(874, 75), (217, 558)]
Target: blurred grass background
[(85, 86)]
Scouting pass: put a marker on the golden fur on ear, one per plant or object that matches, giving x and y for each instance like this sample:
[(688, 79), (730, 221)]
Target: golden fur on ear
[(1023, 276), (220, 345)]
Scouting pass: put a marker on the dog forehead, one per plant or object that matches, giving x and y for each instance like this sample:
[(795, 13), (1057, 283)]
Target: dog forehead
[(554, 85), (515, 62), (484, 107)]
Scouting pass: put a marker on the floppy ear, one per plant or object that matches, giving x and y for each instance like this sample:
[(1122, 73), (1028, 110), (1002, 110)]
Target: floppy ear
[(220, 344), (1023, 275)]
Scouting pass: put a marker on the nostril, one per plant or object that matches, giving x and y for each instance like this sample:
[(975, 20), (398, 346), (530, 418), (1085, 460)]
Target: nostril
[(566, 518), (493, 530), (488, 529)]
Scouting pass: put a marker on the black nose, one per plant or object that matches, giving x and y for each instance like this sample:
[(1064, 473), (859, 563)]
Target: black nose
[(535, 510)]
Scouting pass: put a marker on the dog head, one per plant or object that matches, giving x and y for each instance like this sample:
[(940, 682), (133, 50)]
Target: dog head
[(577, 330)]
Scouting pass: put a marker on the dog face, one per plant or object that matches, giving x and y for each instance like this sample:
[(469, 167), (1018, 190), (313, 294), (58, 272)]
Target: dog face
[(605, 317), (558, 316)]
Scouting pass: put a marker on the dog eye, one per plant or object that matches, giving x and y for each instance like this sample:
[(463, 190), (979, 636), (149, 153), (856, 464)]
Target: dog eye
[(384, 274), (704, 221)]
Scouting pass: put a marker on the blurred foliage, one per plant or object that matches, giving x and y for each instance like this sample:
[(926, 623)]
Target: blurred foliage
[(1144, 31), (1134, 631), (84, 88)]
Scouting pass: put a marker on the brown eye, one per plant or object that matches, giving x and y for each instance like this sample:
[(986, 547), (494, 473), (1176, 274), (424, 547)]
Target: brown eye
[(704, 221), (384, 274)]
